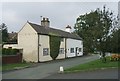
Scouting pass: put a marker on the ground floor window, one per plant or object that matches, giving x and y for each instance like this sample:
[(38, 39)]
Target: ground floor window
[(45, 51), (61, 51), (71, 50)]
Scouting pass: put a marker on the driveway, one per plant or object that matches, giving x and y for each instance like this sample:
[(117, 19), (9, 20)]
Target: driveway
[(43, 70)]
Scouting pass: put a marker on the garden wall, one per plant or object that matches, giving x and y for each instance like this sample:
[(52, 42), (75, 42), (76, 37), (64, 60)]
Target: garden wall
[(8, 59)]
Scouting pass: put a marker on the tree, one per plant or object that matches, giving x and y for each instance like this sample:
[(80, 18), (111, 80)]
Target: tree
[(95, 28), (4, 33), (115, 39)]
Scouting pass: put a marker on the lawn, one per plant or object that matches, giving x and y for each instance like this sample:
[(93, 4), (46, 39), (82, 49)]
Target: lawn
[(93, 65), (6, 67)]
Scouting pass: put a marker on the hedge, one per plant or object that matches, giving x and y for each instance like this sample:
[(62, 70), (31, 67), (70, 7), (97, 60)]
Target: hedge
[(9, 51)]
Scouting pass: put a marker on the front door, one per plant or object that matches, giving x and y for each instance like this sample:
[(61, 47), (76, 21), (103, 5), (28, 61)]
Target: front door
[(76, 51)]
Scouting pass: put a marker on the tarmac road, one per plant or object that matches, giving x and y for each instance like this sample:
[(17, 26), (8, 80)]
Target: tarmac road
[(43, 70), (97, 74)]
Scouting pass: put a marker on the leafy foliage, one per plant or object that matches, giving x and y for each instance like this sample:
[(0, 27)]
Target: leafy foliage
[(96, 28), (115, 41), (9, 51), (54, 46), (4, 33)]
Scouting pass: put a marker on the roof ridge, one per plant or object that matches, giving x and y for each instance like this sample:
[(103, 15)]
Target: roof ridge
[(52, 31)]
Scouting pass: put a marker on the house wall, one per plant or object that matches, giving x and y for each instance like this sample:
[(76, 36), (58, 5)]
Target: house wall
[(27, 39), (62, 45), (73, 43), (44, 43)]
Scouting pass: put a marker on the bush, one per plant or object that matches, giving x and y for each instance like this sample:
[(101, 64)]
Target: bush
[(115, 57), (54, 46), (9, 51)]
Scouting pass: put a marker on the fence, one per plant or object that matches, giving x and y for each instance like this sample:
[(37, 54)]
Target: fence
[(8, 59)]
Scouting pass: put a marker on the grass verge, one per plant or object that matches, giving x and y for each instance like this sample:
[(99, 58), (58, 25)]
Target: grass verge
[(7, 67), (93, 65)]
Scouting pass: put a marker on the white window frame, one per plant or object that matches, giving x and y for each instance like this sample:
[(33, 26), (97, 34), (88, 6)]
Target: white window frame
[(45, 51), (61, 51), (72, 50)]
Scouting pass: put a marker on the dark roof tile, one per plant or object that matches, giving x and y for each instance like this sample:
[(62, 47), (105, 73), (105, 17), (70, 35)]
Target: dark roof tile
[(51, 31)]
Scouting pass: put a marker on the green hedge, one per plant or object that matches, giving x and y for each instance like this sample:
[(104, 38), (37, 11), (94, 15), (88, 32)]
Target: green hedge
[(9, 51), (54, 46)]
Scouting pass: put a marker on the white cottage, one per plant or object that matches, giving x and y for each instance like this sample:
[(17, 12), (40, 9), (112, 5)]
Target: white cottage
[(34, 39)]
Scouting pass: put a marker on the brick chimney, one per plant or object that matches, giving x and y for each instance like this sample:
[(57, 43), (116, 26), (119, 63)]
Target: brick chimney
[(45, 22)]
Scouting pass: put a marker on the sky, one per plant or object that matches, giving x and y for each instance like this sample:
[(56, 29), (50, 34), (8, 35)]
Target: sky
[(60, 14)]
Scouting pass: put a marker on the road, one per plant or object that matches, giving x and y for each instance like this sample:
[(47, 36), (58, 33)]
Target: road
[(43, 70), (97, 74)]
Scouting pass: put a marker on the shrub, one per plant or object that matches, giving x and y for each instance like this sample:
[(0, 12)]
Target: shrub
[(54, 46), (9, 51), (115, 57), (3, 50)]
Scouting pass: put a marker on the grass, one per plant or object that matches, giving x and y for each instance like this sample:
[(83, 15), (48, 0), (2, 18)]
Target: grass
[(93, 65), (7, 67)]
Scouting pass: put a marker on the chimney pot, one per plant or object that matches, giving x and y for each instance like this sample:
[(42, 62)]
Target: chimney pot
[(43, 19), (45, 22)]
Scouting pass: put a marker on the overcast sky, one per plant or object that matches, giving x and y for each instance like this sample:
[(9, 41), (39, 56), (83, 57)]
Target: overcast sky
[(61, 14)]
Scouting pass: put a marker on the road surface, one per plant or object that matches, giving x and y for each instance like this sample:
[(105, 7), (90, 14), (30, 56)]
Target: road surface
[(46, 69), (97, 74)]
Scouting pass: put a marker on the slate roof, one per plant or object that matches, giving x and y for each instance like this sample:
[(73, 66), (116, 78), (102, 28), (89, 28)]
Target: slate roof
[(51, 31), (12, 35)]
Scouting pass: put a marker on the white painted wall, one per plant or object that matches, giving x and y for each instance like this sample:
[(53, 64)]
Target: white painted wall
[(73, 43), (27, 39), (68, 30)]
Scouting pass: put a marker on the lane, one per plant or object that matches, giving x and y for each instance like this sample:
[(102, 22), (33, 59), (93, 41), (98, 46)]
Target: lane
[(43, 70), (98, 74)]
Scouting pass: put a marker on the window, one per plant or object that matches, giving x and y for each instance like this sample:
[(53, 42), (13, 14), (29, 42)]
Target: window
[(62, 39), (61, 51), (79, 49), (72, 50), (45, 51)]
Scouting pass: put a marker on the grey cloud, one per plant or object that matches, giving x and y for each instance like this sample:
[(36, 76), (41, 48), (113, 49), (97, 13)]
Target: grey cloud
[(60, 14)]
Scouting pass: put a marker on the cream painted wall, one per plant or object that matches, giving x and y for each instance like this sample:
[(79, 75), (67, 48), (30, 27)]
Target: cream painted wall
[(44, 43), (27, 39), (62, 45)]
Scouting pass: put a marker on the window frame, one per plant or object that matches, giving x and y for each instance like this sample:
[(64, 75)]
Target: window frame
[(72, 50), (45, 51), (61, 49)]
